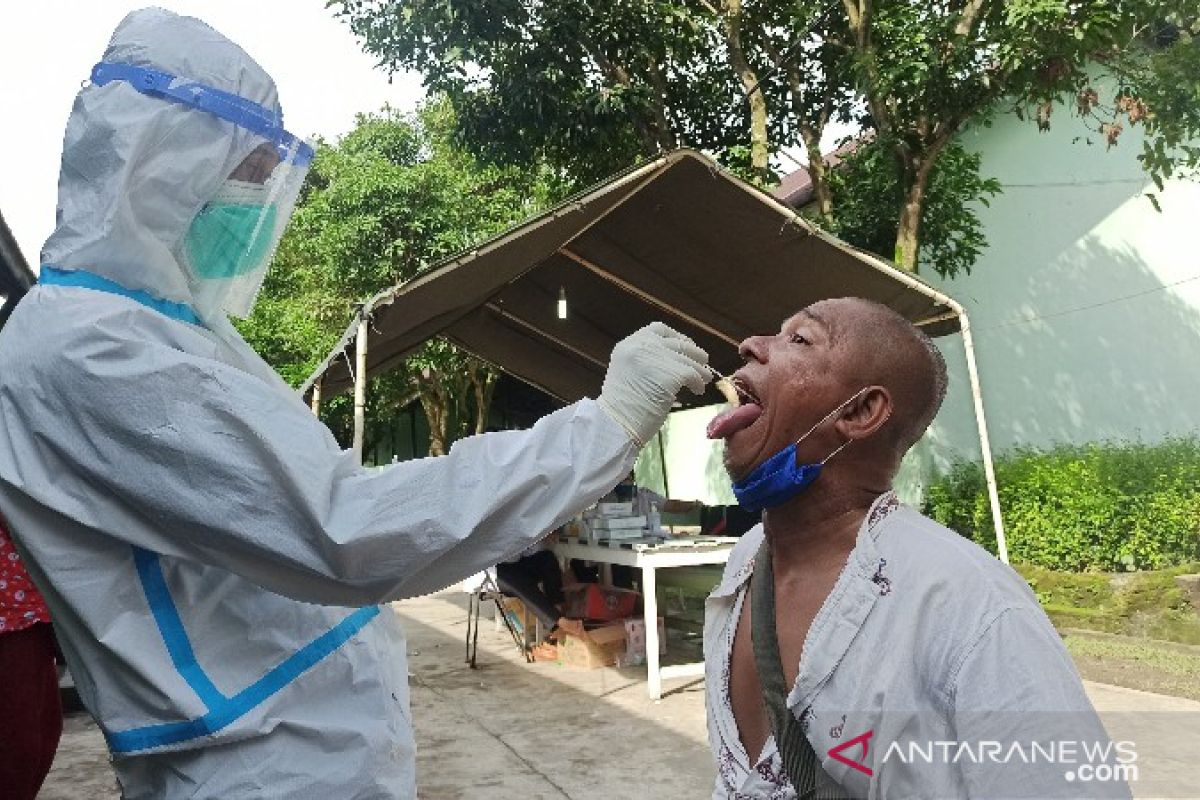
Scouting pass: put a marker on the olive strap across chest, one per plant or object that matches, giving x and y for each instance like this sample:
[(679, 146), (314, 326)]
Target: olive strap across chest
[(799, 761)]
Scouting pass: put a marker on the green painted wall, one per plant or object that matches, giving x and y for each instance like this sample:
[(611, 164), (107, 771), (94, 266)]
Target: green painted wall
[(1076, 338)]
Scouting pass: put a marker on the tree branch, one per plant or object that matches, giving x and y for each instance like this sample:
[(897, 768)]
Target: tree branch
[(810, 135), (859, 14), (969, 17), (666, 134), (618, 75), (759, 143)]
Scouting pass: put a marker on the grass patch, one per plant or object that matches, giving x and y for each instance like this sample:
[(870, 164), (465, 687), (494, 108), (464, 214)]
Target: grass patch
[(1168, 660), (1137, 663), (1084, 590)]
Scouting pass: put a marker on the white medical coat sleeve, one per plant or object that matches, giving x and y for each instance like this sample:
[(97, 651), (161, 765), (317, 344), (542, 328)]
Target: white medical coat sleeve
[(200, 460), (1018, 686)]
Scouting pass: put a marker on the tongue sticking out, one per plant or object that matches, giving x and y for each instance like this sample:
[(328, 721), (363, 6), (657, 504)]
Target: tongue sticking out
[(727, 423)]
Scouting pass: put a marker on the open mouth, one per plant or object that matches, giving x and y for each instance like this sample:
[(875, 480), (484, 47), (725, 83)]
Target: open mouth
[(740, 416), (745, 391)]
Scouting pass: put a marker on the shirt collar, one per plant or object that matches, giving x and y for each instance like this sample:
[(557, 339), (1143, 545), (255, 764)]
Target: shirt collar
[(863, 558)]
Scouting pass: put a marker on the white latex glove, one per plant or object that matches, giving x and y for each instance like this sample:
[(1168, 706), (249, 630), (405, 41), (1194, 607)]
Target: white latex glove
[(646, 371)]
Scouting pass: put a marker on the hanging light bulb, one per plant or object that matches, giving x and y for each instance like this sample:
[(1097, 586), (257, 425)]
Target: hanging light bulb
[(562, 302)]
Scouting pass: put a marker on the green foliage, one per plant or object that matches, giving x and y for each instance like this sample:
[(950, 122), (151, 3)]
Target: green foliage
[(1150, 604), (397, 195), (869, 195), (1087, 590), (584, 86), (1147, 50), (392, 197), (1165, 79), (590, 87), (1106, 506)]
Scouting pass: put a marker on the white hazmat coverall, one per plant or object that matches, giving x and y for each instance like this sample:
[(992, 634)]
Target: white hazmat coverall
[(209, 553)]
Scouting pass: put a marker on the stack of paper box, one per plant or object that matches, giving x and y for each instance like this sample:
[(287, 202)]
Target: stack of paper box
[(613, 521)]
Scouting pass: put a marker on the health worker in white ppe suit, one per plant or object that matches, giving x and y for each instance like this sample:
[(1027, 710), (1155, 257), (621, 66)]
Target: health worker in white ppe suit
[(210, 555)]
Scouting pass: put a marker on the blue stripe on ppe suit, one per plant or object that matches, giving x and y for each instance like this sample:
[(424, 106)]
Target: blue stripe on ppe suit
[(222, 710)]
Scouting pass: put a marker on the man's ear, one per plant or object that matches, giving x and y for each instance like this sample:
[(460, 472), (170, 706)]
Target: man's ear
[(866, 414)]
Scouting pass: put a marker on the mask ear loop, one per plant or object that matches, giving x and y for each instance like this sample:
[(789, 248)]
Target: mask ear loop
[(825, 418), (842, 447)]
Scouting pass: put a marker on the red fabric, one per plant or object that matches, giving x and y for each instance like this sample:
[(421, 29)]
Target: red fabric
[(30, 711), (605, 603), (21, 605)]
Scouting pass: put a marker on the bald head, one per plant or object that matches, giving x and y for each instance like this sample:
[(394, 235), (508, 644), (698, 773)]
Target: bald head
[(884, 348), (838, 371)]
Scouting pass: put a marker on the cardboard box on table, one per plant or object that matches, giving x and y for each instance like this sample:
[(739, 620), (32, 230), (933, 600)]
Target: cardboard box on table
[(599, 647)]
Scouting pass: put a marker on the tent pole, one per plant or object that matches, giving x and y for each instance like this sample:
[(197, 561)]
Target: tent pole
[(662, 463), (360, 385), (316, 397), (989, 469)]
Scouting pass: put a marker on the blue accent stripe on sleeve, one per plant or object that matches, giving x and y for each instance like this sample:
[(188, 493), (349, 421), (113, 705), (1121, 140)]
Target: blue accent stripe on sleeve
[(170, 626), (229, 710), (52, 276)]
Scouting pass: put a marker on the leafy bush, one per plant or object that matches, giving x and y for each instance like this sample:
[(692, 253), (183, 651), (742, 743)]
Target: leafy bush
[(1105, 506)]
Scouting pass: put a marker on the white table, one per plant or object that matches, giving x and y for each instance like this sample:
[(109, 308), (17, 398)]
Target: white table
[(648, 558)]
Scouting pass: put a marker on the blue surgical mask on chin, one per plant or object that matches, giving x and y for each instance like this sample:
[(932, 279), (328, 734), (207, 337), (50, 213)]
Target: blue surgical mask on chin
[(781, 477)]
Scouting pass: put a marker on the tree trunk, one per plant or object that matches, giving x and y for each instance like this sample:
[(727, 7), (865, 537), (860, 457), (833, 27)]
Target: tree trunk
[(433, 403), (818, 172), (666, 136), (760, 151), (483, 381), (915, 169), (908, 232), (437, 435)]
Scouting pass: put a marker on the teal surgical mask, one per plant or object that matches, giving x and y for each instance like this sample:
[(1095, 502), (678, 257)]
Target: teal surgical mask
[(232, 235)]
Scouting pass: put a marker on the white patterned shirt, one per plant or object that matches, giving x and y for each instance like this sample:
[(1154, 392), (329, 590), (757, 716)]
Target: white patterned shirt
[(926, 646)]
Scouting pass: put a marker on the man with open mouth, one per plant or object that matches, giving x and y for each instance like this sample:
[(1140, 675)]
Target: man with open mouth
[(855, 648)]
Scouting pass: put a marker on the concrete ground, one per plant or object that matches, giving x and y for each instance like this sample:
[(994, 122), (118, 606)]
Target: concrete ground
[(514, 730)]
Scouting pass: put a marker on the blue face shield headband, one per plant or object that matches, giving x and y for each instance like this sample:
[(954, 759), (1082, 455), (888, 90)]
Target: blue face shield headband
[(232, 108), (781, 477), (227, 248)]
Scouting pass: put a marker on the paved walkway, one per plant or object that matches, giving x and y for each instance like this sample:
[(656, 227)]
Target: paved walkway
[(512, 730)]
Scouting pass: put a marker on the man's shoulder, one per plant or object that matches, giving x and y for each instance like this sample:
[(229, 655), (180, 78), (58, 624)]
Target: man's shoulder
[(949, 594), (933, 558), (741, 561)]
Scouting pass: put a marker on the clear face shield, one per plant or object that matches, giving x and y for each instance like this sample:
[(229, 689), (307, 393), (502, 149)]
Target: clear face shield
[(229, 244)]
